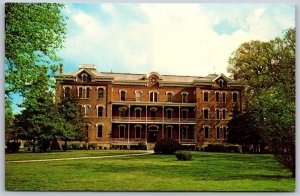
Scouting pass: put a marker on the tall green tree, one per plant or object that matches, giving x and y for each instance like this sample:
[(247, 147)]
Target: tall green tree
[(34, 32), (10, 131), (70, 123), (268, 69)]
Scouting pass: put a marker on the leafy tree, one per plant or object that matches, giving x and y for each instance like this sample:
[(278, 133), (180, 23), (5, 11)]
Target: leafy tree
[(36, 121), (70, 124), (268, 69), (34, 32), (10, 132)]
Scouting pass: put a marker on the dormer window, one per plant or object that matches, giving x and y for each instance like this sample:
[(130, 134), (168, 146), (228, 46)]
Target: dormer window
[(220, 82), (84, 78)]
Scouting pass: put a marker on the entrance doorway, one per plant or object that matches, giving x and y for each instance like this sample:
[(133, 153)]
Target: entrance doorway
[(153, 134)]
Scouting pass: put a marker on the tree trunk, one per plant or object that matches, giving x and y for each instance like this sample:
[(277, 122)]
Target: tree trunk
[(65, 146)]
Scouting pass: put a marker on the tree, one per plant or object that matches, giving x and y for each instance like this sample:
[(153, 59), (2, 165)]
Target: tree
[(69, 123), (34, 32), (10, 132), (36, 122), (268, 69)]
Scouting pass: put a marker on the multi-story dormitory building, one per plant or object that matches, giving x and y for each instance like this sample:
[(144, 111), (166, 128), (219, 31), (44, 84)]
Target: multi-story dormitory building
[(124, 109)]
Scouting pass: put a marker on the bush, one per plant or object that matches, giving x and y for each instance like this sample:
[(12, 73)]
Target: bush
[(13, 146), (184, 156), (93, 146), (222, 148), (55, 145), (75, 146), (166, 146)]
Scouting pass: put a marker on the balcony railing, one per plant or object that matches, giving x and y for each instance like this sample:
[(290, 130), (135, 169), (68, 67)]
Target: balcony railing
[(153, 119), (138, 140)]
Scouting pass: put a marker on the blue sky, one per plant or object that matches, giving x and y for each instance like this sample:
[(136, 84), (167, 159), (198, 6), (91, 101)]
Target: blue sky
[(177, 38)]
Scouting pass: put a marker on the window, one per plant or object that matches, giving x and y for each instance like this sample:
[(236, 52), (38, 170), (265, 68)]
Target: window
[(153, 96), (138, 131), (88, 92), (67, 91), (219, 132), (223, 97), (217, 97), (184, 132), (122, 95), (217, 113), (122, 131), (206, 132), (234, 97), (169, 97), (84, 78), (100, 93), (184, 114), (184, 97), (169, 113), (80, 92), (138, 112), (100, 112), (153, 113), (224, 113), (225, 132), (99, 131), (206, 113), (205, 98), (169, 131), (138, 95), (220, 83), (87, 110)]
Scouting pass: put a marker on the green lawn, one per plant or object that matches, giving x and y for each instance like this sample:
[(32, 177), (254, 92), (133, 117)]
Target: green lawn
[(206, 172)]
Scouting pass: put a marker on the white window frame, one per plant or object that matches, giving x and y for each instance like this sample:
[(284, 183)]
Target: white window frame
[(184, 97), (97, 131), (89, 110), (103, 110), (135, 128), (204, 92), (217, 114), (219, 132), (171, 96), (152, 96), (124, 129), (169, 127), (204, 109), (237, 96), (138, 92), (103, 91), (84, 75), (184, 129), (120, 94)]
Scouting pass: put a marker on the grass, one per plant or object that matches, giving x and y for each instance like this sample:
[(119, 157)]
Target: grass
[(206, 172)]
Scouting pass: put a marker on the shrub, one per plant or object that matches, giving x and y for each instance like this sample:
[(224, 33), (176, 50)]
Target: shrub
[(184, 156), (55, 145), (166, 146), (93, 146), (222, 148), (13, 146), (75, 146)]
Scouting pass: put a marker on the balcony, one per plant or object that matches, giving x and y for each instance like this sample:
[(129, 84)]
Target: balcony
[(118, 119)]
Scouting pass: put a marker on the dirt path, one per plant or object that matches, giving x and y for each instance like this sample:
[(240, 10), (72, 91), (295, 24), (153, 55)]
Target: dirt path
[(77, 158)]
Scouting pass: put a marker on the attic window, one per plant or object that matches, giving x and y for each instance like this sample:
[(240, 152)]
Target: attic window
[(220, 82), (84, 78)]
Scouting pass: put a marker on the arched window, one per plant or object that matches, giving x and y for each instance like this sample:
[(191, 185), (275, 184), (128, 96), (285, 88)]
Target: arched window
[(219, 132), (138, 130), (169, 97), (80, 92), (138, 95), (100, 93), (235, 97), (67, 91), (184, 97), (206, 131), (100, 111), (84, 78), (99, 133), (221, 83), (169, 113), (122, 95), (184, 132), (184, 114), (138, 112), (87, 110), (88, 92), (153, 96), (122, 129)]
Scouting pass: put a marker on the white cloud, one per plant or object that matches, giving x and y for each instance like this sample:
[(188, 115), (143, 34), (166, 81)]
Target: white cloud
[(173, 39)]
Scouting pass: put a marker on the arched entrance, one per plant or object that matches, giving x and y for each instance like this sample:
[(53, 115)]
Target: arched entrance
[(153, 133)]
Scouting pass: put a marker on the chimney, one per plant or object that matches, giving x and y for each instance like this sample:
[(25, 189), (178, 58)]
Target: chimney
[(60, 68)]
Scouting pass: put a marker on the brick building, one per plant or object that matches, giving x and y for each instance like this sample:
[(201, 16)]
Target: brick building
[(124, 109)]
